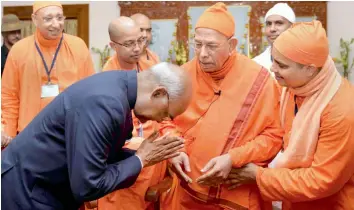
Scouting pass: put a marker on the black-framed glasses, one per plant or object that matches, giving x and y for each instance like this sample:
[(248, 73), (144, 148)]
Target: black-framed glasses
[(131, 44)]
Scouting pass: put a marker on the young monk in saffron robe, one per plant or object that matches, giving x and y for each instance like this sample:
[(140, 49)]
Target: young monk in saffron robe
[(128, 41), (145, 27), (315, 170), (231, 121), (41, 66)]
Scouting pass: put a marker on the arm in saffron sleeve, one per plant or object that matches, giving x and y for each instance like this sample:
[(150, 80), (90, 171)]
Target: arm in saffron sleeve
[(88, 67), (10, 100), (169, 126), (330, 170)]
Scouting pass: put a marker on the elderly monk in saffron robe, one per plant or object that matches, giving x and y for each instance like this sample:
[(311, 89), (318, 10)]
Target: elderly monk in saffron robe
[(128, 42), (41, 66), (145, 27), (231, 121), (315, 170)]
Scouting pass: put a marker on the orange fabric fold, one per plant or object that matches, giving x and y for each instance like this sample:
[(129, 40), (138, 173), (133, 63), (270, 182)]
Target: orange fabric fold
[(303, 140), (25, 74), (152, 56), (207, 124), (37, 5), (224, 23), (305, 43)]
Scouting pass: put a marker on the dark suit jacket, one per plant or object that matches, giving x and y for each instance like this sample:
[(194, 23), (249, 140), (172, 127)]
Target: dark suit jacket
[(72, 151)]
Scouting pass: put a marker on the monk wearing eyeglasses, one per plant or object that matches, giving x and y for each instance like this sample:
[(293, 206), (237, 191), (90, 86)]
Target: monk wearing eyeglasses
[(231, 121), (39, 67), (129, 43)]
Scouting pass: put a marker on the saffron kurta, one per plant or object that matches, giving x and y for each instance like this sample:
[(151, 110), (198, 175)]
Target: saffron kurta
[(329, 182), (239, 116), (25, 75)]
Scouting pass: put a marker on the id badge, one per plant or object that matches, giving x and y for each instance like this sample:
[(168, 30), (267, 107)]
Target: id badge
[(50, 90)]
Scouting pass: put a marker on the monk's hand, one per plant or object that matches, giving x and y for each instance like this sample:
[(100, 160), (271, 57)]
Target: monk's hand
[(179, 162), (154, 150), (241, 176), (216, 171), (5, 139)]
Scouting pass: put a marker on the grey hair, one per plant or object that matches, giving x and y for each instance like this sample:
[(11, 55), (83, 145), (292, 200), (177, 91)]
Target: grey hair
[(165, 75)]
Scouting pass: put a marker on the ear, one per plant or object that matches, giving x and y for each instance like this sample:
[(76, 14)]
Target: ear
[(311, 70), (111, 44), (159, 92), (34, 19), (233, 43)]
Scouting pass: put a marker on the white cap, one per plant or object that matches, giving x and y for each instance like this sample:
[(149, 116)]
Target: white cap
[(282, 9)]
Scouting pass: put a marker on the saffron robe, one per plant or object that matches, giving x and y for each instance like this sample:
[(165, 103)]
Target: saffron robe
[(133, 198), (329, 182), (25, 75), (240, 117)]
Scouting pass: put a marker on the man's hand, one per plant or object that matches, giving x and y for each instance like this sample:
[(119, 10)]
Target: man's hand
[(180, 161), (240, 176), (154, 150), (5, 139), (217, 170)]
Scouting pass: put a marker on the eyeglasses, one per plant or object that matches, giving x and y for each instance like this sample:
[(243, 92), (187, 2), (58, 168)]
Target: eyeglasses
[(208, 47), (168, 117), (131, 44), (59, 18)]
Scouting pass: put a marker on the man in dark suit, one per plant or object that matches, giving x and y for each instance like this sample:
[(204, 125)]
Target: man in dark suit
[(72, 151)]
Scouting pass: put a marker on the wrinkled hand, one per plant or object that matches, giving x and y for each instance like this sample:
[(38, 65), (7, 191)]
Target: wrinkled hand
[(217, 170), (154, 150), (180, 161), (241, 176), (5, 139)]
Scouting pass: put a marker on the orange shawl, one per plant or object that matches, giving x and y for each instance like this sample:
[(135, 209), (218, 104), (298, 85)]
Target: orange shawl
[(303, 140), (239, 120)]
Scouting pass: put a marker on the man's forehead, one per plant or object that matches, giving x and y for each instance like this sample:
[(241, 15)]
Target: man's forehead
[(51, 10), (131, 37), (208, 35), (274, 18)]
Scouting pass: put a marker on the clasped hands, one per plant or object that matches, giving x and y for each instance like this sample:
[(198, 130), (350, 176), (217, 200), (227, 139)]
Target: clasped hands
[(217, 171)]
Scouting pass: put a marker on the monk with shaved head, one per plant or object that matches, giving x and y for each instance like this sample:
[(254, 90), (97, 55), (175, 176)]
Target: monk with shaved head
[(315, 168), (129, 42), (145, 27)]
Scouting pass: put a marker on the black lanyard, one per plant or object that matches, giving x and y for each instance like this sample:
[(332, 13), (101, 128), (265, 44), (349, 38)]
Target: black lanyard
[(137, 67), (48, 71), (296, 108)]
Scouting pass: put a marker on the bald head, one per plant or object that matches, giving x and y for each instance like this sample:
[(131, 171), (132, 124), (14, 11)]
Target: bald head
[(164, 90), (144, 24), (121, 26), (126, 39)]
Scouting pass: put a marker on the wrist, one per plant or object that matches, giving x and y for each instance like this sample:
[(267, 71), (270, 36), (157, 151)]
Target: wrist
[(141, 161)]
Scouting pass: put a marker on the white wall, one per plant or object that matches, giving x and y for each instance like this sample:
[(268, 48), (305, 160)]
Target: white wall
[(340, 17), (100, 14)]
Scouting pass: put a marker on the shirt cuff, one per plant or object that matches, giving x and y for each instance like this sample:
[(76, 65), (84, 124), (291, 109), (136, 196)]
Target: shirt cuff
[(141, 162)]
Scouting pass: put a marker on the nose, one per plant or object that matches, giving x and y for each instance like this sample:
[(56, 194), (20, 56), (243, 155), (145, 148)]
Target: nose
[(55, 23), (136, 48), (273, 27), (273, 68), (204, 52)]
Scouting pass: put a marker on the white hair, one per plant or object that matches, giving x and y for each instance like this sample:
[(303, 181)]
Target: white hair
[(169, 78)]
